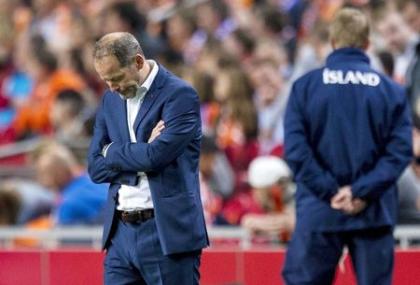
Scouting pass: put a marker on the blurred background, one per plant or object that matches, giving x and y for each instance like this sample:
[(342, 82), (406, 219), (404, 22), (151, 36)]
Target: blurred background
[(242, 57)]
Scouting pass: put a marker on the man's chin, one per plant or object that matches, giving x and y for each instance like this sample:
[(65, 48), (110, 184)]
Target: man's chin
[(127, 96)]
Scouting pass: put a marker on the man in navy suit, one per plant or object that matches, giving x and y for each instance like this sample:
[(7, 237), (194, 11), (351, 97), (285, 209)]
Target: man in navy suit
[(347, 140), (146, 144)]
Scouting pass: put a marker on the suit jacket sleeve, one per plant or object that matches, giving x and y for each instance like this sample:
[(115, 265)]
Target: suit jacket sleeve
[(299, 154), (397, 155), (181, 114), (97, 168)]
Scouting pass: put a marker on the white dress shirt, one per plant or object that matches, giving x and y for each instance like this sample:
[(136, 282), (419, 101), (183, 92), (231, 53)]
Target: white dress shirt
[(137, 197)]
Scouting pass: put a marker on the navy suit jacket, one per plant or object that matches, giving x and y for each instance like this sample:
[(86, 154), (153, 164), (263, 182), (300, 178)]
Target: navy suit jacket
[(347, 124), (170, 161)]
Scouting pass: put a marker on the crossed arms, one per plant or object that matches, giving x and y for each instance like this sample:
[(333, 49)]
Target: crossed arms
[(124, 159)]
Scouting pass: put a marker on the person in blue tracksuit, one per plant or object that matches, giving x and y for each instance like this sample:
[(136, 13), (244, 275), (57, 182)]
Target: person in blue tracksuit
[(347, 140)]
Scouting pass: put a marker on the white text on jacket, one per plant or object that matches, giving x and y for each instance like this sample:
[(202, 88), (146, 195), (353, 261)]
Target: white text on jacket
[(350, 77)]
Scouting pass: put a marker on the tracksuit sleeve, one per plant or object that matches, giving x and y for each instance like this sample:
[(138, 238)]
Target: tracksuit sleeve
[(299, 154), (396, 157)]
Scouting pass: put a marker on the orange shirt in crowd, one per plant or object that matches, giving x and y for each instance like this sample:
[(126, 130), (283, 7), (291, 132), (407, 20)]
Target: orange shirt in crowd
[(34, 115), (42, 223)]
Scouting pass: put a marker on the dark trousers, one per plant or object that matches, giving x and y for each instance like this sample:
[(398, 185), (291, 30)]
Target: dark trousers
[(135, 257), (312, 257)]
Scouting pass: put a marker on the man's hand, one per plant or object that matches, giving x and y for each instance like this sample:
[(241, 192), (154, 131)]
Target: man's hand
[(358, 205), (344, 201), (156, 131)]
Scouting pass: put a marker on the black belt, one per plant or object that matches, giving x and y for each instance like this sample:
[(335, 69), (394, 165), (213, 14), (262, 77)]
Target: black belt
[(136, 216)]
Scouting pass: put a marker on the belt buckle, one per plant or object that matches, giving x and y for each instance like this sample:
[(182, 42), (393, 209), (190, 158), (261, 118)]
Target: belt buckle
[(126, 217), (136, 216)]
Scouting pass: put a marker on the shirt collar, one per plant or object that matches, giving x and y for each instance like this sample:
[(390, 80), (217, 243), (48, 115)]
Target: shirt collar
[(151, 77), (142, 90), (347, 55)]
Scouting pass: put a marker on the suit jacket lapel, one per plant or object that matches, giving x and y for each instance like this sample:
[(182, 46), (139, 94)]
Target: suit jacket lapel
[(123, 125), (150, 96)]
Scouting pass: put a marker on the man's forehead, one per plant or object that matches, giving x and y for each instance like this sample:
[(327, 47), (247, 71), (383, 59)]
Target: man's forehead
[(107, 64)]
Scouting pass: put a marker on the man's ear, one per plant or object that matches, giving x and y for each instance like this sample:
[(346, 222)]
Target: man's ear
[(333, 43), (139, 61)]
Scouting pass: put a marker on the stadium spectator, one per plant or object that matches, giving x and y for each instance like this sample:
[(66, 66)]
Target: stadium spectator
[(6, 70), (409, 187), (213, 21), (18, 84), (33, 116), (35, 201), (410, 10), (268, 49), (210, 57), (400, 39), (11, 208), (71, 117), (270, 22), (209, 107), (122, 16), (79, 200), (68, 116), (241, 45), (10, 204), (180, 28), (413, 86), (270, 178), (312, 50), (237, 127), (51, 19), (271, 94), (216, 179)]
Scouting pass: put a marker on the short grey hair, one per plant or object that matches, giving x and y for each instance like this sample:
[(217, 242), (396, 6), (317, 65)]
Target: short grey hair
[(124, 46)]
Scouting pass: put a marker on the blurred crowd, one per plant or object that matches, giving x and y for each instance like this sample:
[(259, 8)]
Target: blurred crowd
[(240, 55)]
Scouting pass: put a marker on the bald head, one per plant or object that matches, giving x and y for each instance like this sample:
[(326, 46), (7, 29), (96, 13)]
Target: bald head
[(124, 46)]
